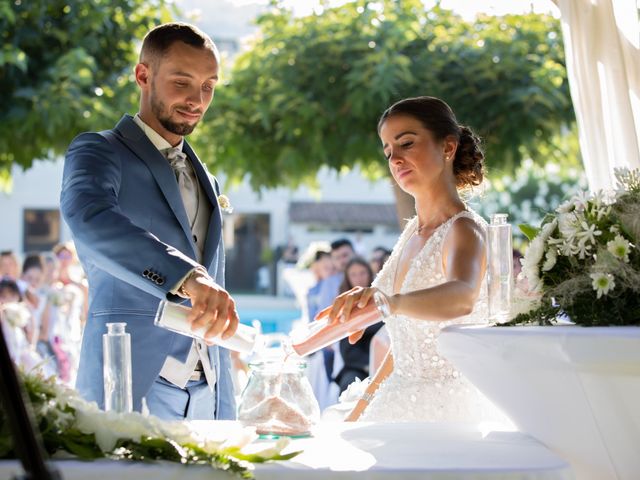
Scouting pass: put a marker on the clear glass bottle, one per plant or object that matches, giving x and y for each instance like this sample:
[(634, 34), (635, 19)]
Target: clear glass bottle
[(499, 268), (278, 399), (173, 316), (320, 333), (116, 344)]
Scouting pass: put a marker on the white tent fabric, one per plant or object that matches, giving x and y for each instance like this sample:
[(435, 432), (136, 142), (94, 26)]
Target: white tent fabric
[(602, 45)]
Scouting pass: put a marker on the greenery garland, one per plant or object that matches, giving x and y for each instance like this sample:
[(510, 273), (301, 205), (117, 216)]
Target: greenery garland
[(69, 424)]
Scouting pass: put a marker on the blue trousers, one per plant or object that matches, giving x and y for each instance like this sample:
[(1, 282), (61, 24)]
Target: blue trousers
[(170, 402)]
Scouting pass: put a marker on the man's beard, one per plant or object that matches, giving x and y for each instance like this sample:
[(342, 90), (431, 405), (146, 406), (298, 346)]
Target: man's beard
[(159, 109)]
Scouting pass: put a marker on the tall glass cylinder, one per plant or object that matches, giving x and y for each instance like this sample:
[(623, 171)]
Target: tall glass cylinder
[(116, 344), (500, 268), (174, 317), (321, 332)]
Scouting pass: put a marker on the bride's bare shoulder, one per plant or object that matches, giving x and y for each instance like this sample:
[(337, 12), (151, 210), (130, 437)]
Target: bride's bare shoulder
[(465, 231)]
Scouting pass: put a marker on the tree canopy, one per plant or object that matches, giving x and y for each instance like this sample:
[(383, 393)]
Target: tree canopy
[(309, 90), (66, 67)]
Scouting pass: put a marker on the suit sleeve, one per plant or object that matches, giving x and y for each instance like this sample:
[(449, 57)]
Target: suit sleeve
[(89, 205)]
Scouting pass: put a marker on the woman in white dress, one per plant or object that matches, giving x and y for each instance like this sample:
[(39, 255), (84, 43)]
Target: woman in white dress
[(436, 273)]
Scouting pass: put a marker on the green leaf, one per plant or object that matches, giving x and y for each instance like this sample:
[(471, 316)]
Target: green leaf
[(529, 231), (83, 450)]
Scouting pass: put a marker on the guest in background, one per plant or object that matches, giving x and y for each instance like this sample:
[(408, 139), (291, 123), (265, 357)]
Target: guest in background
[(70, 273), (341, 252), (322, 268), (29, 284), (324, 387), (378, 258), (14, 317), (9, 266), (356, 357)]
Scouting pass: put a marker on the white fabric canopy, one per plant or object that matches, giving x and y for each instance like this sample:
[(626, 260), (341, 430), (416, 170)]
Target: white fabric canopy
[(602, 46)]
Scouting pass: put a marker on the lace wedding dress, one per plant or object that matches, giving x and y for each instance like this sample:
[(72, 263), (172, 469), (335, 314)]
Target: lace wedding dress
[(423, 385)]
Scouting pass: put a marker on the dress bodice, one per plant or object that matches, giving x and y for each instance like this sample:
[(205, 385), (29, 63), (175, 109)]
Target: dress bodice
[(413, 341), (424, 386)]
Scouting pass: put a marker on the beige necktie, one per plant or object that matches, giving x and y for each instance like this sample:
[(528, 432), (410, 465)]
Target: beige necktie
[(189, 193), (186, 182)]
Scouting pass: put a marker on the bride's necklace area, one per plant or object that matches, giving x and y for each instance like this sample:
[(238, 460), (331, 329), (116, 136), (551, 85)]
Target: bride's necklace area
[(422, 229)]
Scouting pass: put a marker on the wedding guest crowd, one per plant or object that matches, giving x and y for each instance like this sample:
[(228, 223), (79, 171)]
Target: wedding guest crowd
[(42, 309), (337, 269), (44, 300)]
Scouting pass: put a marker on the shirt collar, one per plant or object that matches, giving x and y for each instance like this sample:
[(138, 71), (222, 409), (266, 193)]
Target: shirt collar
[(158, 141)]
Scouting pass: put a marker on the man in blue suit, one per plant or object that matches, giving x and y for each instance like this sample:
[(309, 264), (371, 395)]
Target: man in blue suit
[(144, 215)]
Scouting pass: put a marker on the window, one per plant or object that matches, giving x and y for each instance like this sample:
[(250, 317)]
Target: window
[(41, 229)]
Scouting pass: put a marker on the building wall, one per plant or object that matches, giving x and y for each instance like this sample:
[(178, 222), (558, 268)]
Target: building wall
[(39, 187), (350, 187)]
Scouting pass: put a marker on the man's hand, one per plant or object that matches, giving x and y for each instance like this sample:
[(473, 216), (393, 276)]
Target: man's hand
[(212, 306)]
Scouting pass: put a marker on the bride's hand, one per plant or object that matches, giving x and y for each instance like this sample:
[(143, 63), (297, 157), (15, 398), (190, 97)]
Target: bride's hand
[(344, 303)]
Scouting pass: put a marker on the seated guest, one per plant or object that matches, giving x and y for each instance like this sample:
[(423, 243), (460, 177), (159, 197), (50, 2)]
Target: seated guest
[(356, 357)]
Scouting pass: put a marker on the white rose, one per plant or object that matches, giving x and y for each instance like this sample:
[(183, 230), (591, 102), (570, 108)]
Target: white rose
[(109, 427)]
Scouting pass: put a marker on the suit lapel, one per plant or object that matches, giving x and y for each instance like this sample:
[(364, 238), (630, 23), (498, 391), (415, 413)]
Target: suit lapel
[(135, 139), (214, 231)]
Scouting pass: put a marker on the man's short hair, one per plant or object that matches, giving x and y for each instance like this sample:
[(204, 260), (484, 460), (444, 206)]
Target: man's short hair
[(336, 244), (159, 40)]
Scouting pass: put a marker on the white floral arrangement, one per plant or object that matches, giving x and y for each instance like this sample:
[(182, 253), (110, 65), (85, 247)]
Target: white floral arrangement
[(72, 426), (16, 314), (584, 262)]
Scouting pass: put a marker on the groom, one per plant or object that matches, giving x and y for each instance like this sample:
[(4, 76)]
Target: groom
[(144, 215)]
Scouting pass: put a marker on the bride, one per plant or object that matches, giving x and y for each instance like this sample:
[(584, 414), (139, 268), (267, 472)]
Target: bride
[(436, 273)]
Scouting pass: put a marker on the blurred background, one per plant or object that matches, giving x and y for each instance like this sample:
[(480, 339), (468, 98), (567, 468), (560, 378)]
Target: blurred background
[(291, 133)]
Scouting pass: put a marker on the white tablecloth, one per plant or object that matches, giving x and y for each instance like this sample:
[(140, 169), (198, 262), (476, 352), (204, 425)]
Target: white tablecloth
[(365, 451), (576, 389)]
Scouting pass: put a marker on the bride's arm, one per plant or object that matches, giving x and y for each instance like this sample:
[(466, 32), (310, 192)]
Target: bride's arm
[(464, 264), (383, 372)]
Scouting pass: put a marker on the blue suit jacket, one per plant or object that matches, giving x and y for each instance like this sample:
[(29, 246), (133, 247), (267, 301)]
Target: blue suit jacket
[(121, 201)]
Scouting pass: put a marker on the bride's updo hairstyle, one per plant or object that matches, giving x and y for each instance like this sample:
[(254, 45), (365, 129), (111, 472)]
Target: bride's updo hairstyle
[(437, 117)]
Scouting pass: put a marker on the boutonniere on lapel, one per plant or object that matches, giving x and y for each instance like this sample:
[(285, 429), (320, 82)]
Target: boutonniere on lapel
[(224, 203)]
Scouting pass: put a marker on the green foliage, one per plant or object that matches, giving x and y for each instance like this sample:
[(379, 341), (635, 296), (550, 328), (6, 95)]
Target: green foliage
[(585, 262), (56, 421), (309, 91), (528, 194), (65, 67), (528, 231)]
